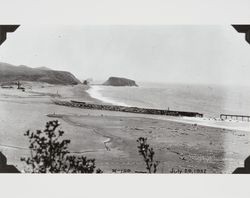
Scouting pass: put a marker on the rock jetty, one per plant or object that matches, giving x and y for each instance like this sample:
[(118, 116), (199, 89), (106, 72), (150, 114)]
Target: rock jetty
[(86, 105)]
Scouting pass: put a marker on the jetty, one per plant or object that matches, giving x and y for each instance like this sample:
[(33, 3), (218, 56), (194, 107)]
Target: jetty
[(234, 117), (86, 105)]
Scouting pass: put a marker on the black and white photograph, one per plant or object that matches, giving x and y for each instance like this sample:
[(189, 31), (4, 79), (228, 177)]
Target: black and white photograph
[(115, 98), (125, 99)]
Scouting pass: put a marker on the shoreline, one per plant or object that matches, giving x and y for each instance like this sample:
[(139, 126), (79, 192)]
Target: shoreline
[(94, 92), (205, 121)]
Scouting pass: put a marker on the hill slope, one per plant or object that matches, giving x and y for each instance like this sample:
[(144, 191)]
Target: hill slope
[(116, 81), (9, 73)]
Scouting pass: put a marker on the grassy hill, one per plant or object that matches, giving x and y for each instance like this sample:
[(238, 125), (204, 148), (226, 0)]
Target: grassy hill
[(10, 73)]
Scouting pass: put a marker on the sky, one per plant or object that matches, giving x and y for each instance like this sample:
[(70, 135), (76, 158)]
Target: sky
[(199, 54)]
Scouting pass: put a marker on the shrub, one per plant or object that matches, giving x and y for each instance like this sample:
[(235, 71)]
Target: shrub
[(148, 155), (50, 154)]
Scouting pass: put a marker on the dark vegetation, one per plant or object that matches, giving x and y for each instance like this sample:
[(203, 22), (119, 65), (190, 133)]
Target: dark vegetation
[(147, 153), (49, 153), (10, 73)]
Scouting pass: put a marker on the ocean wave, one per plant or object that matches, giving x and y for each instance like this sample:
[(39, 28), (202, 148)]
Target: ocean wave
[(95, 92)]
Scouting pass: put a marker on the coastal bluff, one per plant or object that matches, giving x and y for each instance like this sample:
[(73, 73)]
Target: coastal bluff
[(10, 73), (117, 81)]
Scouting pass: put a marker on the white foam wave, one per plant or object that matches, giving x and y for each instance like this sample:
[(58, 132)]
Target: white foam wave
[(95, 92)]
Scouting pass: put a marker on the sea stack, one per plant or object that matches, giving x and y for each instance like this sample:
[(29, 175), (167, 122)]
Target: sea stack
[(117, 81)]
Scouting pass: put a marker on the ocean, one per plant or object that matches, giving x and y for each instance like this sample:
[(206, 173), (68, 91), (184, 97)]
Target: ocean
[(210, 100)]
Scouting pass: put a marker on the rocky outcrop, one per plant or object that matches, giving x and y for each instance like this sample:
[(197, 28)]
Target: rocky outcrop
[(11, 73), (116, 81)]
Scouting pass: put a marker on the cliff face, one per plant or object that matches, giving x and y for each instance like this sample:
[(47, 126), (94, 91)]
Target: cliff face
[(10, 73), (115, 81)]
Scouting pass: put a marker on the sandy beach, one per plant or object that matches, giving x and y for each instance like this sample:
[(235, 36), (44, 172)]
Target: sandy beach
[(110, 137)]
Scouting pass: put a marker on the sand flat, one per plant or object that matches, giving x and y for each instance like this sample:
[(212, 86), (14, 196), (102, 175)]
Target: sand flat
[(110, 137)]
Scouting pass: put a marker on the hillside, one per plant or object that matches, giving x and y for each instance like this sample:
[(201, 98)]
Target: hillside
[(116, 81), (10, 73)]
